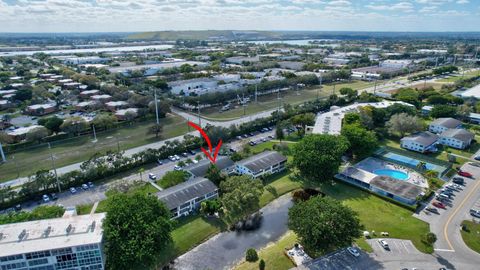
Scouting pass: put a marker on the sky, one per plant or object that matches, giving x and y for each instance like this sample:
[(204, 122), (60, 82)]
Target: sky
[(156, 15)]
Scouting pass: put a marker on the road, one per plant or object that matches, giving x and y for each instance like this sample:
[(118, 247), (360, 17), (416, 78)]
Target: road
[(446, 225), (228, 248)]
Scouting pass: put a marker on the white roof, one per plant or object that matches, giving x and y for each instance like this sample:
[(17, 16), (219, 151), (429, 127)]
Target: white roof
[(86, 103), (39, 106), (38, 238), (90, 92), (472, 92), (22, 130), (331, 122), (125, 111), (116, 103), (100, 96)]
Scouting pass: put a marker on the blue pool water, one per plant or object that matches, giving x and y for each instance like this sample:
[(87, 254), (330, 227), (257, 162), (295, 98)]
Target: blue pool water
[(399, 175), (413, 162)]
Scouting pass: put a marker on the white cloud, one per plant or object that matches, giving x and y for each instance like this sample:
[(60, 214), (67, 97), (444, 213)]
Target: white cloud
[(402, 6)]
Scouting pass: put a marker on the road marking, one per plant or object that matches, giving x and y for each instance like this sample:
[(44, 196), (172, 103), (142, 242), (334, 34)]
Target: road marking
[(446, 250), (455, 212), (405, 246)]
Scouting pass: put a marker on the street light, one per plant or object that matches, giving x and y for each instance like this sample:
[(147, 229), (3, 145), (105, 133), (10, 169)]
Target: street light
[(54, 168)]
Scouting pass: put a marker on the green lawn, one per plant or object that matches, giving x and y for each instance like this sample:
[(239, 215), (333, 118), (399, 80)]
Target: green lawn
[(27, 162), (273, 255), (84, 209), (457, 77), (471, 236), (190, 232)]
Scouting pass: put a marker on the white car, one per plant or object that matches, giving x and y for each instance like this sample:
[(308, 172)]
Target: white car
[(194, 161), (353, 251), (177, 168), (45, 198), (172, 158), (176, 157), (383, 243), (152, 176), (73, 190)]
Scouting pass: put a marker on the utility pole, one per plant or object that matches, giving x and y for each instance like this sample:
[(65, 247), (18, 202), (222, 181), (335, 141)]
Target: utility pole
[(156, 105), (244, 103), (94, 135), (2, 153)]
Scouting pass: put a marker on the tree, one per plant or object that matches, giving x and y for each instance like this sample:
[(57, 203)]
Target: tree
[(402, 123), (136, 229), (430, 238), (23, 94), (155, 129), (349, 92), (261, 265), (172, 178), (104, 121), (362, 142), (443, 111), (279, 132), (74, 125), (210, 207), (463, 111), (215, 133), (351, 118), (53, 124), (324, 224), (408, 95), (214, 174), (241, 197), (318, 157), (37, 134), (251, 255)]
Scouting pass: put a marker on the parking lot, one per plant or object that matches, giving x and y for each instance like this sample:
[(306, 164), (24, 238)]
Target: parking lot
[(397, 247), (341, 260)]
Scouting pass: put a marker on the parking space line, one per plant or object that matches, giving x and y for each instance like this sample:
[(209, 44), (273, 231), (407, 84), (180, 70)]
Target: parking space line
[(405, 246), (397, 246), (381, 248)]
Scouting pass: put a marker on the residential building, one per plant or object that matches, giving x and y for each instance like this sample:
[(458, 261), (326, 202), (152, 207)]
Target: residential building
[(473, 92), (126, 114), (421, 142), (185, 198), (86, 105), (5, 104), (456, 138), (426, 110), (223, 163), (41, 109), (242, 59), (71, 242), (20, 134), (86, 60), (267, 162), (440, 125), (101, 98), (152, 69), (88, 93), (116, 105)]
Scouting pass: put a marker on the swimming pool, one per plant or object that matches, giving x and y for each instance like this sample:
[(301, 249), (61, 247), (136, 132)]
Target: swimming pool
[(412, 162), (399, 175)]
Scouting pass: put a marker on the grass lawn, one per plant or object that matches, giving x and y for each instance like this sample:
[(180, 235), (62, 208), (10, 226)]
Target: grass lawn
[(188, 233), (458, 76), (273, 255), (270, 101), (471, 236), (79, 149), (84, 209)]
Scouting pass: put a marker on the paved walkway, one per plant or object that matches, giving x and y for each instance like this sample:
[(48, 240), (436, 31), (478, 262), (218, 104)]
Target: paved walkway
[(226, 249), (94, 208)]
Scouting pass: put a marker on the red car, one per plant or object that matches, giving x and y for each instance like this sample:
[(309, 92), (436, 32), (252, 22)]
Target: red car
[(438, 204), (465, 174)]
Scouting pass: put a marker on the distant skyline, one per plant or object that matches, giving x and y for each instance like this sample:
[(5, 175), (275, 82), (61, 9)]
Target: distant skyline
[(156, 15)]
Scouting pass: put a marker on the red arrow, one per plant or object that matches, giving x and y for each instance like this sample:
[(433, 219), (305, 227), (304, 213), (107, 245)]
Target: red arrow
[(207, 139)]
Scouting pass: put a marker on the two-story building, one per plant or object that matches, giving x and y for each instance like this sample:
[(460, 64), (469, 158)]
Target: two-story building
[(456, 138), (41, 109), (440, 125), (267, 162), (420, 142), (185, 198)]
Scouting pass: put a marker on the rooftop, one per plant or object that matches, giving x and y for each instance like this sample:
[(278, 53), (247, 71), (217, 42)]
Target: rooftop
[(200, 169), (472, 92), (46, 234), (262, 161), (459, 134), (179, 194), (402, 189), (423, 138), (447, 122), (22, 130)]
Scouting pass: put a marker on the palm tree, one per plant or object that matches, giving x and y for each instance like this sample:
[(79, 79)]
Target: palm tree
[(141, 171), (422, 166)]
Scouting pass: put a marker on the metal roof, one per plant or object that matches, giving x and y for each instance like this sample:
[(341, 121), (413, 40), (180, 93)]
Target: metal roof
[(423, 138), (398, 188), (459, 134), (200, 169), (447, 122), (262, 161), (177, 195)]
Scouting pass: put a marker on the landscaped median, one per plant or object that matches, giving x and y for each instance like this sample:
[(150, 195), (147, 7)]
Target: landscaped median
[(471, 235)]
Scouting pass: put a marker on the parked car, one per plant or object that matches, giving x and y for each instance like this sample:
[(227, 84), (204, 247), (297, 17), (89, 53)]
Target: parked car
[(239, 137), (84, 186), (432, 209), (194, 161), (177, 168), (45, 198), (458, 180), (475, 213), (465, 174), (439, 205), (477, 158), (159, 162), (73, 190), (90, 185), (185, 154), (384, 244), (152, 176), (176, 157), (192, 152), (252, 143), (171, 158), (54, 196), (353, 251), (18, 207)]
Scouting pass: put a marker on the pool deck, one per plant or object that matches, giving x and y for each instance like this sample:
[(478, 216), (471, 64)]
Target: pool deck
[(372, 164)]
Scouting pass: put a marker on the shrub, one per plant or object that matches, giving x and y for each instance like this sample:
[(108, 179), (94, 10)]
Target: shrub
[(261, 265), (251, 255)]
